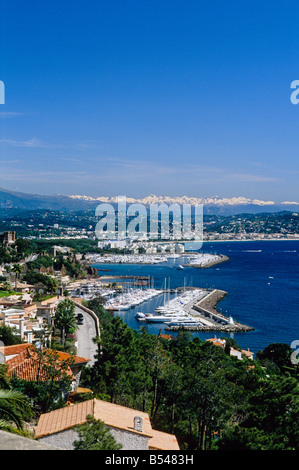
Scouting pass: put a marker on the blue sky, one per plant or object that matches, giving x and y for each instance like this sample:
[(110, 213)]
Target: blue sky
[(150, 97)]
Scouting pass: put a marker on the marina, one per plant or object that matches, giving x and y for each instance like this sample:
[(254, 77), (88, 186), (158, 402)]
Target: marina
[(195, 260), (194, 310), (131, 298), (244, 278)]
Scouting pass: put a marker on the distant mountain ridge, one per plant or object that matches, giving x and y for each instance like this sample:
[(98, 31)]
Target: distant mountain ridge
[(213, 205)]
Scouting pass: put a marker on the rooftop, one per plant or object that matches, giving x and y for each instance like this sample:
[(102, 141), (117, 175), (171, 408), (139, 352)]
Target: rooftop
[(163, 441), (26, 365), (113, 415)]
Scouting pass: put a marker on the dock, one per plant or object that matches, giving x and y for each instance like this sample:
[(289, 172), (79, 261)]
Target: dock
[(205, 310)]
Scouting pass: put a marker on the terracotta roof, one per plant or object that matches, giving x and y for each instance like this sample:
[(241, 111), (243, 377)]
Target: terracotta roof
[(26, 365), (121, 417), (22, 284), (217, 342), (163, 441), (77, 359), (247, 353), (14, 349), (63, 418), (169, 337), (113, 415)]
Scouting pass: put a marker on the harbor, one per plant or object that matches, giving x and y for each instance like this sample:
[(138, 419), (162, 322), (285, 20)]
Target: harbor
[(252, 280), (194, 310), (190, 259)]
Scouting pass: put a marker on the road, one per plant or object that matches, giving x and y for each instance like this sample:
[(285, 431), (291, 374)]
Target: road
[(85, 333)]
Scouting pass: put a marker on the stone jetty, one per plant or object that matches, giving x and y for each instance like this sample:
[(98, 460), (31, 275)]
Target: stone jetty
[(205, 310)]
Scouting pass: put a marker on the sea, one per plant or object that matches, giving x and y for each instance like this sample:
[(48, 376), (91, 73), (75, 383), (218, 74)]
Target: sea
[(261, 279)]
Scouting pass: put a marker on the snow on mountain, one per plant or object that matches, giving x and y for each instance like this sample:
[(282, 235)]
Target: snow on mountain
[(153, 199)]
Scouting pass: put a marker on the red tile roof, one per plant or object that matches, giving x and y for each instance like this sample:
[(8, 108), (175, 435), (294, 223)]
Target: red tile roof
[(113, 415), (26, 364), (163, 441), (14, 349)]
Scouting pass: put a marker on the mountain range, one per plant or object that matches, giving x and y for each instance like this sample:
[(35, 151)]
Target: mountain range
[(214, 205)]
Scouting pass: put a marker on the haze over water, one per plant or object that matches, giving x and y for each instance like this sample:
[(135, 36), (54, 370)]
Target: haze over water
[(261, 279)]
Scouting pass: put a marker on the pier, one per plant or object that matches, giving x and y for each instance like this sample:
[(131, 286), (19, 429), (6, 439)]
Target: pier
[(204, 310)]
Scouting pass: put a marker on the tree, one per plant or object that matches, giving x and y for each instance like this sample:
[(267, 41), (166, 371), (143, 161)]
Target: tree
[(97, 306), (8, 335), (23, 247), (65, 318), (52, 382), (270, 420), (17, 268), (95, 435), (12, 404), (117, 362), (277, 353)]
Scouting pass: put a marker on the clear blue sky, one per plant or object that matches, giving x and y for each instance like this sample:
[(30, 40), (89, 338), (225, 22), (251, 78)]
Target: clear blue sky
[(139, 97)]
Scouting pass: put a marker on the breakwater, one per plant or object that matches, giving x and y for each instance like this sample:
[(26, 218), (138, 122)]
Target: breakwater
[(205, 310), (206, 263)]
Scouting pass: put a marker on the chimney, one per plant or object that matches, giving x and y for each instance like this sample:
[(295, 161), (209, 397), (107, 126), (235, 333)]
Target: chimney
[(138, 424)]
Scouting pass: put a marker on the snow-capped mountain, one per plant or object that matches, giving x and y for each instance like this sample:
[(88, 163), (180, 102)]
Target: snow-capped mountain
[(212, 205), (153, 199)]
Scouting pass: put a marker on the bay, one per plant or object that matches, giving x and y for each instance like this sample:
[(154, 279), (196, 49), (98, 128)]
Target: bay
[(261, 279)]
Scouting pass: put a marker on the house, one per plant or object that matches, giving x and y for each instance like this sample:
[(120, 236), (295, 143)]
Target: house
[(233, 352), (167, 337), (19, 300), (11, 351), (23, 362), (130, 427), (39, 288), (47, 308), (217, 342), (22, 287), (26, 327)]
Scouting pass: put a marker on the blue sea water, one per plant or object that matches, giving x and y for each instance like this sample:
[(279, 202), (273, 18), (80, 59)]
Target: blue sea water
[(261, 279)]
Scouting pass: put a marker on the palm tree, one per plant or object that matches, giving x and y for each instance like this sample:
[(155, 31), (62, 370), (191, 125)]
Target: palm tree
[(17, 268), (65, 317), (5, 286), (11, 404)]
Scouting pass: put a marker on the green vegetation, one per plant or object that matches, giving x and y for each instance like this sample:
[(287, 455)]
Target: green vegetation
[(189, 387), (94, 435), (8, 293), (9, 336), (14, 405), (65, 318), (82, 224), (53, 382)]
